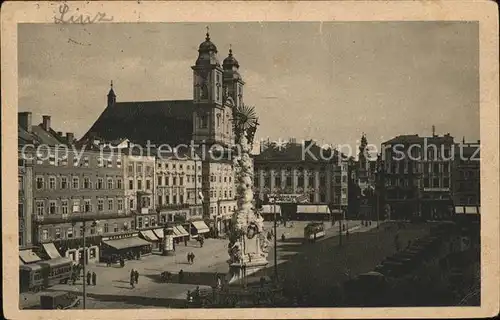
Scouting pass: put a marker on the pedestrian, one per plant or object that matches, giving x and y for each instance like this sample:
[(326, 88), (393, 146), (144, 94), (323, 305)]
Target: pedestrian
[(136, 276), (94, 278), (185, 242), (173, 244), (88, 278), (132, 281), (132, 274), (283, 237), (192, 257), (189, 257)]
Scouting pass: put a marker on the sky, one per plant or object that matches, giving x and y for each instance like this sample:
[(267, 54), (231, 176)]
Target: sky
[(327, 81)]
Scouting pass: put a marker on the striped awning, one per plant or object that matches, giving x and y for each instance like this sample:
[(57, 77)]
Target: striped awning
[(149, 235), (270, 209), (159, 233), (177, 232), (182, 230), (51, 250), (28, 256), (313, 209), (126, 243), (467, 209)]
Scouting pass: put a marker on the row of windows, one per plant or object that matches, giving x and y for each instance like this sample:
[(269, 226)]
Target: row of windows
[(149, 169), (66, 206), (189, 178), (139, 184), (213, 178), (222, 209), (174, 166), (75, 183), (300, 181), (428, 182), (404, 167), (78, 162)]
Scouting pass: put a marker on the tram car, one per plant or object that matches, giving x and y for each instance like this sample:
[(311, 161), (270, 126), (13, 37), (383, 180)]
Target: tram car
[(43, 274), (313, 231)]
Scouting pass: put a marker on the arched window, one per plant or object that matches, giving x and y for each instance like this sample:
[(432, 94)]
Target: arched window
[(203, 121), (218, 120)]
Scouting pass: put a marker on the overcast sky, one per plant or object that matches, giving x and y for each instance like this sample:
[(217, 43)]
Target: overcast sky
[(328, 81)]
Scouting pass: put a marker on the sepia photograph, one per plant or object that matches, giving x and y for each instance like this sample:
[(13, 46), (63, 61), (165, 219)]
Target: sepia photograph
[(249, 162)]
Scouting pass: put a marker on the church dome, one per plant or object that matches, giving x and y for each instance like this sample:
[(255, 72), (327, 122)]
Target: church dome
[(230, 61), (207, 45)]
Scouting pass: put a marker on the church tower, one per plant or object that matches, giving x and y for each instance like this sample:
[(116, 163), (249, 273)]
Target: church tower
[(111, 96), (209, 118), (233, 83)]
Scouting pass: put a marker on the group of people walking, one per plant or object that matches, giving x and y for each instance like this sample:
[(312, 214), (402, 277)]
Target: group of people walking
[(134, 278), (91, 278), (190, 257)]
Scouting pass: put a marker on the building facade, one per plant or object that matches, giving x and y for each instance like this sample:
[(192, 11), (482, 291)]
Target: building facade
[(318, 175), (417, 176), (25, 204), (467, 178)]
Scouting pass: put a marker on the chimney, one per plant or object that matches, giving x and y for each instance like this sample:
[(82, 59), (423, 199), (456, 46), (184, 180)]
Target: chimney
[(46, 123), (24, 120), (59, 133), (433, 130), (70, 137)]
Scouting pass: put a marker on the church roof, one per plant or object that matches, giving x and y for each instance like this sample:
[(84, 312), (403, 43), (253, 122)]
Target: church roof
[(160, 122)]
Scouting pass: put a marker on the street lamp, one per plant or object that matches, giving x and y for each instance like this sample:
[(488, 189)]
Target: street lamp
[(84, 254), (275, 243)]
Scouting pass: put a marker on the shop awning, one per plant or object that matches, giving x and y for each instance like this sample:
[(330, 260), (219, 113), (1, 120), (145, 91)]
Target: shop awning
[(51, 250), (28, 256), (125, 243), (149, 235), (159, 233), (200, 226), (182, 230), (313, 209), (177, 233), (268, 209), (459, 209), (57, 261), (471, 210)]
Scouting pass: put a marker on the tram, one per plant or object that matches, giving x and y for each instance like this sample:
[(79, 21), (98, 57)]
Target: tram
[(313, 231), (43, 274)]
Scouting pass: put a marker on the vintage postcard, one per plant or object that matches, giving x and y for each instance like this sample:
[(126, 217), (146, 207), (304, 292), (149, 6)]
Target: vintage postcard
[(203, 160)]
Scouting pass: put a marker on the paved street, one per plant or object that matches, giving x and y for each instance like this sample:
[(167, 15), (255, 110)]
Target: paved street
[(306, 264)]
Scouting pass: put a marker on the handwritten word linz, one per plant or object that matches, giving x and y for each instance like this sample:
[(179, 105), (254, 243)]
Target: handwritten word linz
[(64, 17)]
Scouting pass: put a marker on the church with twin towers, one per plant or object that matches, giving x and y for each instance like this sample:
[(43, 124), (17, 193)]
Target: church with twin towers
[(203, 121)]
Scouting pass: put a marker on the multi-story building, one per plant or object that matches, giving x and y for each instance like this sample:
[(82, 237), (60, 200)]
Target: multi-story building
[(417, 175), (25, 204), (316, 173), (69, 186), (466, 178)]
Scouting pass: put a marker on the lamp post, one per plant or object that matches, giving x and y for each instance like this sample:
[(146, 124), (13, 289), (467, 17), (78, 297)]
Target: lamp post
[(217, 219), (340, 224), (275, 243)]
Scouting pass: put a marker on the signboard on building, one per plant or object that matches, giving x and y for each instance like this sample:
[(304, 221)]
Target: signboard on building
[(288, 198)]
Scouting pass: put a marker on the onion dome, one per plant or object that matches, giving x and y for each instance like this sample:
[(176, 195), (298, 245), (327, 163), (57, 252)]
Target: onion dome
[(230, 61), (207, 53)]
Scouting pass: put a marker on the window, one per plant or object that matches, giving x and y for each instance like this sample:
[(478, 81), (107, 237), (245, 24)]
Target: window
[(277, 182), (426, 167), (88, 206), (100, 204), (20, 181), (115, 227), (45, 234), (109, 163), (52, 159), (110, 183), (106, 228), (39, 183), (174, 181), (446, 183), (160, 181), (86, 161), (64, 206), (139, 169), (311, 182), (130, 169), (167, 181), (69, 233), (146, 222), (435, 183), (86, 183), (131, 184), (153, 221), (64, 183), (131, 204), (118, 162), (159, 165), (58, 233), (76, 183), (40, 207), (110, 204), (76, 205), (181, 181), (76, 161), (118, 183), (119, 203), (100, 183), (181, 198), (174, 199), (139, 222), (446, 167), (288, 181), (436, 167), (139, 184), (52, 207), (148, 184), (100, 162), (132, 224)]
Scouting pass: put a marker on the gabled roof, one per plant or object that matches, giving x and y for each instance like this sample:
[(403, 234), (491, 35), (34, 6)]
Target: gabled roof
[(416, 139), (160, 122)]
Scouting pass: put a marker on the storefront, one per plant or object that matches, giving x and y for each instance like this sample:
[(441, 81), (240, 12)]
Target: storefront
[(129, 246), (73, 248), (199, 227), (313, 213), (180, 234), (268, 211), (151, 237)]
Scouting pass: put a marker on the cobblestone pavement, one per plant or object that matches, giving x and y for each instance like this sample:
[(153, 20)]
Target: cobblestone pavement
[(113, 290)]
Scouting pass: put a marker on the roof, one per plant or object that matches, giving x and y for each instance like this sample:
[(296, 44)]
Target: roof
[(160, 122), (296, 152), (415, 138), (39, 136)]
